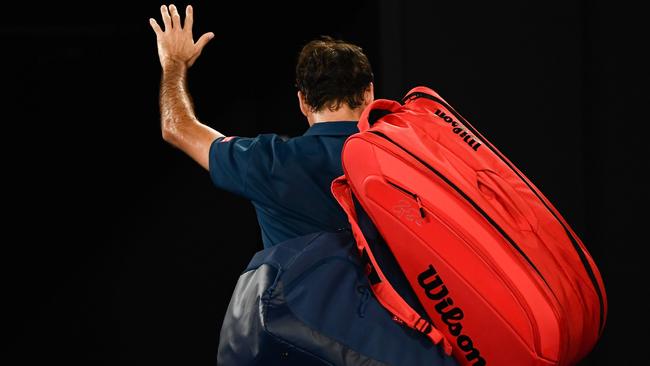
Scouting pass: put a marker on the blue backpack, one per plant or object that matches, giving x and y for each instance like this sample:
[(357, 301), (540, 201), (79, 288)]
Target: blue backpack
[(307, 301)]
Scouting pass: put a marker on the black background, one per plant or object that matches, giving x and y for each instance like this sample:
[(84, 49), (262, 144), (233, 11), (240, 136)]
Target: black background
[(117, 248)]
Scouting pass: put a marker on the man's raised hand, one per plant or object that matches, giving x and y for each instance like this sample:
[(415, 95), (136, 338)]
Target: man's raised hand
[(175, 42)]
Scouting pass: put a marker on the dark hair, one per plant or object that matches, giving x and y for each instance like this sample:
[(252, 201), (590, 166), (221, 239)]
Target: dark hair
[(330, 72)]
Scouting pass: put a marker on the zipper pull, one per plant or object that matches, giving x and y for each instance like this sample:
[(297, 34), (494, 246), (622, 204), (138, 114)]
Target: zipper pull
[(417, 198)]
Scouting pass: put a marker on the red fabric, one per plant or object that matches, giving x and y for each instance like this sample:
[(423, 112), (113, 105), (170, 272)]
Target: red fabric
[(494, 264)]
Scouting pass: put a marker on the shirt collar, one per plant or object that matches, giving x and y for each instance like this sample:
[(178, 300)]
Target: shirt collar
[(332, 128)]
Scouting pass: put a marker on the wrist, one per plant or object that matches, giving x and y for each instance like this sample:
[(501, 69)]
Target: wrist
[(170, 65)]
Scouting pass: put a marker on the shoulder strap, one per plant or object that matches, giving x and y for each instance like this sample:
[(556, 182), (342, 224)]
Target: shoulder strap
[(385, 293)]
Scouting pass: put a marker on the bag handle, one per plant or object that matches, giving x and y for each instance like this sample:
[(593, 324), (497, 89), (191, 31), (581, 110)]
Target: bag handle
[(386, 294), (503, 198), (376, 110)]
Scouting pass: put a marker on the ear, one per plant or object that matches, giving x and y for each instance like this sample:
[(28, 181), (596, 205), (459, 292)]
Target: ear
[(305, 108), (369, 94), (303, 105)]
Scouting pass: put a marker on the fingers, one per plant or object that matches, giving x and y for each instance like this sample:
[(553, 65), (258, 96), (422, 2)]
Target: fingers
[(204, 40), (176, 18), (189, 18), (155, 26), (167, 20)]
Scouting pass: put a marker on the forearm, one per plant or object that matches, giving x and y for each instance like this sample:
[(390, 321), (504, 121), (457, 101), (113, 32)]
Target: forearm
[(176, 109), (179, 124)]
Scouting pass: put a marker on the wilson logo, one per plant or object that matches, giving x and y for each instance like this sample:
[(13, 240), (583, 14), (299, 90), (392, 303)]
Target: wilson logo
[(451, 315), (461, 132)]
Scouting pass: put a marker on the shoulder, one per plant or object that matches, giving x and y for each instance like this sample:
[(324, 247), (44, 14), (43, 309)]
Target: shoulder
[(250, 143), (270, 146)]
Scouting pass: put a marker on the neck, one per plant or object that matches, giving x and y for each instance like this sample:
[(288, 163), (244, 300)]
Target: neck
[(342, 114)]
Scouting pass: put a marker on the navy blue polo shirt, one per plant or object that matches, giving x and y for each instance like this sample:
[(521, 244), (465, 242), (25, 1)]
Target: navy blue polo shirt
[(287, 180)]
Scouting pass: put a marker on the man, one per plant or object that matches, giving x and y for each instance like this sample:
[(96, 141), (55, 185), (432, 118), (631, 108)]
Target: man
[(288, 181)]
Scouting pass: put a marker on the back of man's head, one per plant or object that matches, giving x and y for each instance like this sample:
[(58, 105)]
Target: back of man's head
[(331, 72)]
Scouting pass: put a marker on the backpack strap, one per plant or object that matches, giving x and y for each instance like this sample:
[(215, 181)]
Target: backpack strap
[(385, 293)]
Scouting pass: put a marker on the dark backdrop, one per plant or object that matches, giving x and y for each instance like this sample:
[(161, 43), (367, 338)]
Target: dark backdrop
[(118, 250)]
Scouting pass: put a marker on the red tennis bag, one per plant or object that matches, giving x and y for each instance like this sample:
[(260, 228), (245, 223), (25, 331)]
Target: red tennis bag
[(498, 271)]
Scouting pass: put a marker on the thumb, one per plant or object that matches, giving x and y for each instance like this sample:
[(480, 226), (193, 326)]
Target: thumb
[(199, 46), (204, 40)]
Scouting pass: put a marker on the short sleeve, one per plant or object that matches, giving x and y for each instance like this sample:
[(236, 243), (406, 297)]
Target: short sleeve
[(229, 160), (233, 160)]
